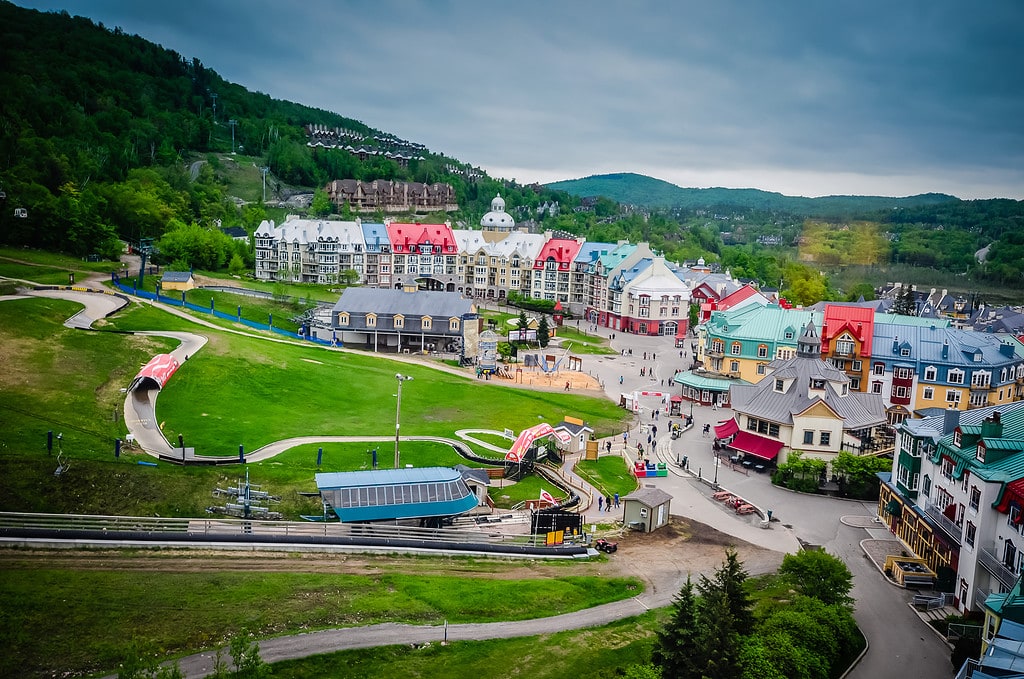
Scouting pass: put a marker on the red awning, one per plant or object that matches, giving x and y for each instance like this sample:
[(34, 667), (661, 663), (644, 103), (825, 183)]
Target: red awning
[(755, 445), (676, 398), (726, 428)]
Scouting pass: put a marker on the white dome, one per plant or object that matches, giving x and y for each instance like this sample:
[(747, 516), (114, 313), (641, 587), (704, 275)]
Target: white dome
[(497, 218)]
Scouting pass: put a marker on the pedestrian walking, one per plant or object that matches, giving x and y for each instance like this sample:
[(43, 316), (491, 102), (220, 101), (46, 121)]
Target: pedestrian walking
[(654, 357), (608, 502), (600, 503), (654, 431), (620, 379), (625, 437), (608, 445), (645, 355), (617, 505), (648, 439), (567, 386)]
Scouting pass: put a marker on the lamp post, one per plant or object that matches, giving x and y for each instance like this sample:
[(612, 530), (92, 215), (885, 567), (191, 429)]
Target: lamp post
[(717, 462), (398, 411)]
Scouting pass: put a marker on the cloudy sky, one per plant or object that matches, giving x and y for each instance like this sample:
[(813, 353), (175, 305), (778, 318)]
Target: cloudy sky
[(804, 97)]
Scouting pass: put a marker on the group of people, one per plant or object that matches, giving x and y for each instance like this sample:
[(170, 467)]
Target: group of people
[(604, 503)]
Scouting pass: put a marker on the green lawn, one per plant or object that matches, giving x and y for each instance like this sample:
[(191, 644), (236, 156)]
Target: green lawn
[(61, 619), (236, 391), (609, 474)]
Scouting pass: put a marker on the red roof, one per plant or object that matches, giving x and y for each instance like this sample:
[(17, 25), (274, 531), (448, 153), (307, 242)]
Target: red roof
[(744, 293), (1014, 492), (758, 446), (425, 238), (858, 321), (561, 250)]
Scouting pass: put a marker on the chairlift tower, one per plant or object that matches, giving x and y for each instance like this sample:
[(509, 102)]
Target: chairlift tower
[(145, 249), (233, 123), (263, 171)]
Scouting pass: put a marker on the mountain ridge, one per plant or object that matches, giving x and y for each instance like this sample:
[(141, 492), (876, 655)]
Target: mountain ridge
[(650, 192)]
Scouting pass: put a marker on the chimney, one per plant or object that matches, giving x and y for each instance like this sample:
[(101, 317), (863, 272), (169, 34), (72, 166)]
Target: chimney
[(950, 420), (945, 348)]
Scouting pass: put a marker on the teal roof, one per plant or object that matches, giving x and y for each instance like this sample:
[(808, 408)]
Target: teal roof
[(689, 379), (762, 323), (1004, 469)]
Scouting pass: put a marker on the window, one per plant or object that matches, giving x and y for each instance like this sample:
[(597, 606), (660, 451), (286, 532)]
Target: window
[(902, 373), (343, 318), (955, 376), (817, 383), (953, 397), (878, 369), (399, 321), (780, 386), (900, 392), (761, 368), (975, 498), (858, 365), (426, 322), (905, 351), (734, 349), (969, 534), (844, 347), (928, 394), (947, 469), (824, 438), (1013, 518), (929, 373), (371, 320), (808, 437), (734, 366), (453, 324), (876, 387), (926, 487), (762, 351), (855, 383)]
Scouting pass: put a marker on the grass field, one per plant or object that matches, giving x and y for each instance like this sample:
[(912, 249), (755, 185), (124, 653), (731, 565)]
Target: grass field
[(184, 611), (237, 391)]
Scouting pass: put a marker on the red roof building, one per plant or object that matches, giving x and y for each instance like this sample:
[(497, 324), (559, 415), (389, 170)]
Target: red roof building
[(846, 333), (551, 269), (424, 255)]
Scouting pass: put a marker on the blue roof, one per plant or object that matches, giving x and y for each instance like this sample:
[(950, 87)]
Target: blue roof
[(392, 494), (385, 477), (375, 235)]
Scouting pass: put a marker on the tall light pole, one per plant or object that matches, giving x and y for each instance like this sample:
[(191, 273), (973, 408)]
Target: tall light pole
[(398, 410), (232, 123), (264, 171)]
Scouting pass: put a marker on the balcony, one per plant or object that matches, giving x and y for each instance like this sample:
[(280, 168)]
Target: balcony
[(948, 527), (980, 594), (995, 566)]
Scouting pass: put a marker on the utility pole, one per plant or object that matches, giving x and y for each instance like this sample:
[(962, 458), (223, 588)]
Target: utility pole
[(232, 123), (398, 411), (264, 171), (213, 96)]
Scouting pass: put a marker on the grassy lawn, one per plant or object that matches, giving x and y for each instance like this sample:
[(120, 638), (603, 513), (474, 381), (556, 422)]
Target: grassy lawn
[(608, 473), (237, 391), (179, 612), (596, 652)]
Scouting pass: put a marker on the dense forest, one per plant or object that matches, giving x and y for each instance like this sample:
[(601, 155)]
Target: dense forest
[(109, 138)]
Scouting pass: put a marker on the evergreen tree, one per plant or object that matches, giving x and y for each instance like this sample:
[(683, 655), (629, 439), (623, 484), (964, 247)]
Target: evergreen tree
[(730, 578), (676, 651), (543, 336)]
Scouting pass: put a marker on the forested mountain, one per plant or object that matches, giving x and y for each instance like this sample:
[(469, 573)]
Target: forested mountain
[(637, 189), (98, 130)]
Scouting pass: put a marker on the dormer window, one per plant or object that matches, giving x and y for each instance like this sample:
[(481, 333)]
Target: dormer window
[(426, 322), (905, 351), (780, 386), (980, 453), (399, 321), (343, 318), (958, 438), (817, 383), (371, 320), (453, 324)]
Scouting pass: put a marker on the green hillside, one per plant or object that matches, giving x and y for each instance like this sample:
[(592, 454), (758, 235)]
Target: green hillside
[(635, 189)]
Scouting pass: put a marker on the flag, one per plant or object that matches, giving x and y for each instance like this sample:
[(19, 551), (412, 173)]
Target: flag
[(546, 496)]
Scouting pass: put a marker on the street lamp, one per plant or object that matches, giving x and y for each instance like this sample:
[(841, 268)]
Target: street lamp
[(398, 410)]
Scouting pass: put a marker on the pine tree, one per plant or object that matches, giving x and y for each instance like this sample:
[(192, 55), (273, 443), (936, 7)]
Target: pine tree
[(730, 578), (543, 334), (676, 651)]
